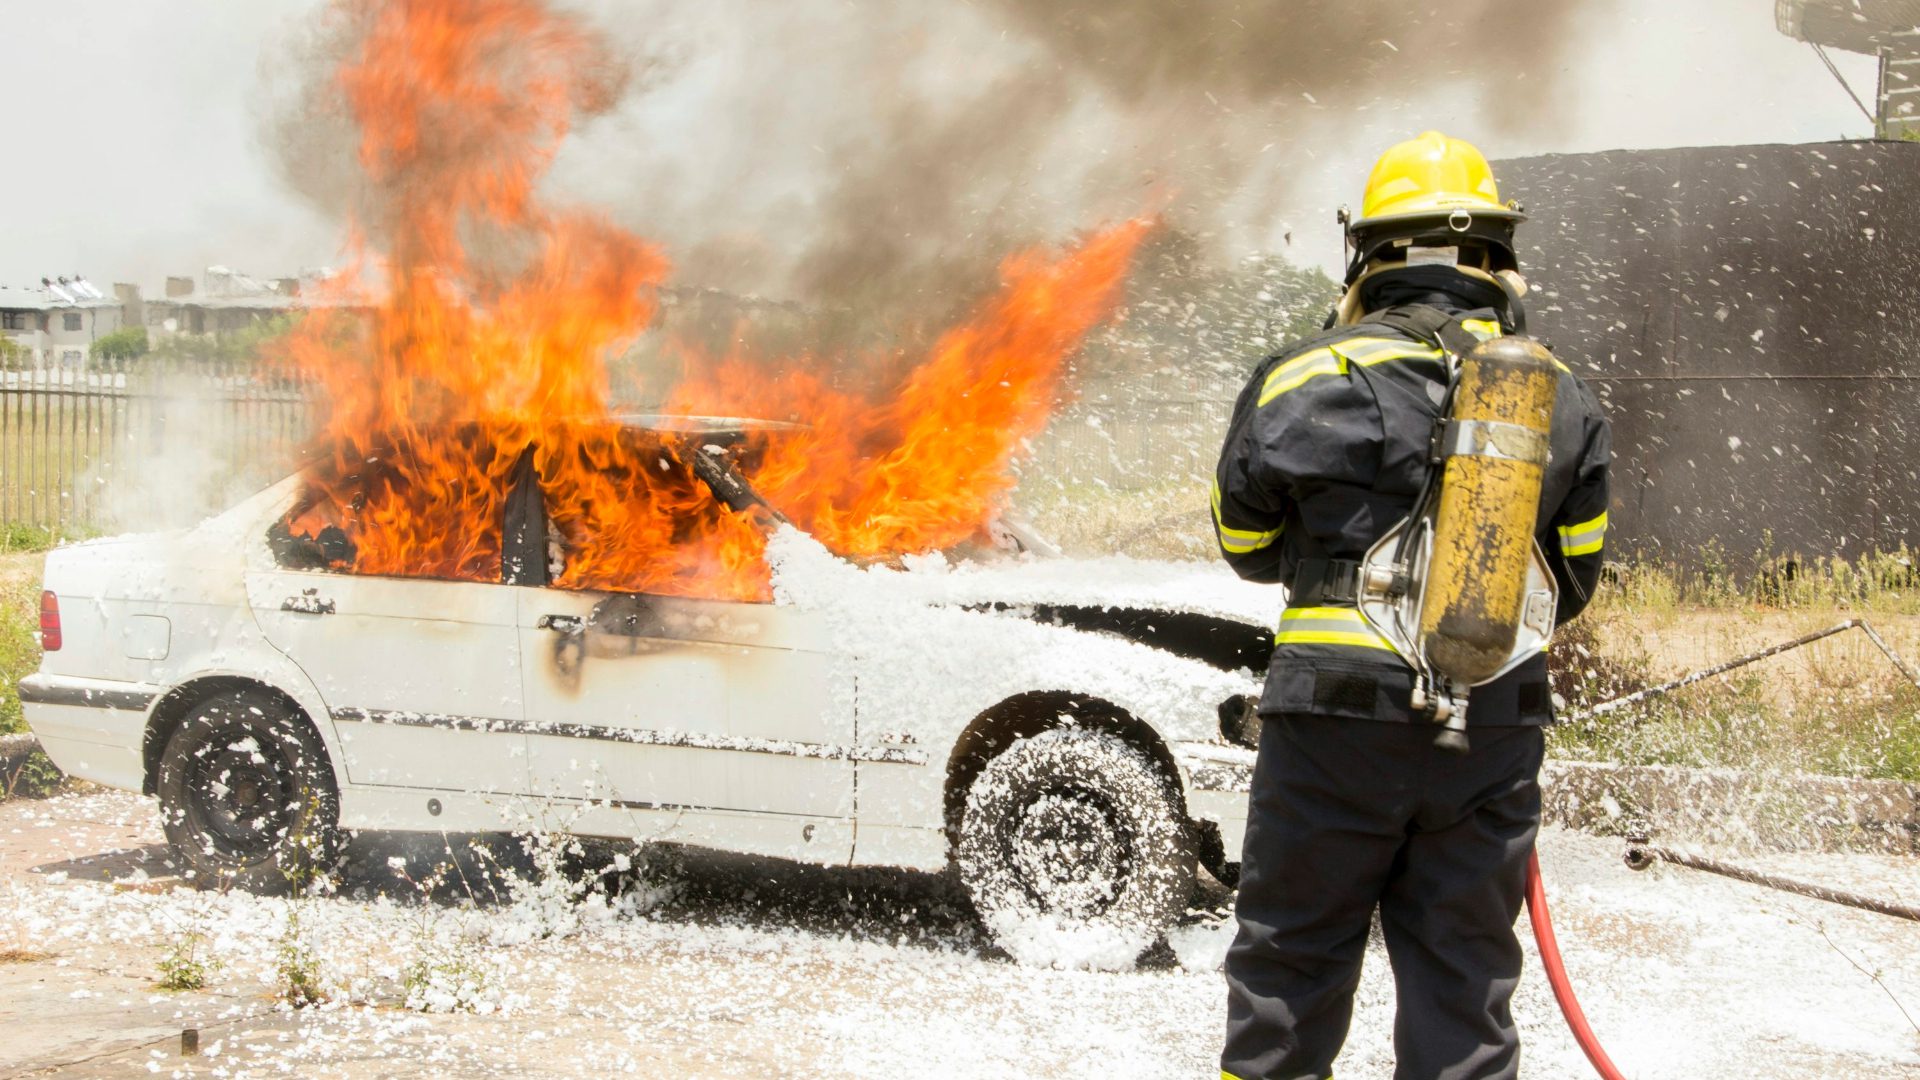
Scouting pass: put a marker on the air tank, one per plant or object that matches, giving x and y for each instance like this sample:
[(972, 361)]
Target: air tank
[(1494, 450)]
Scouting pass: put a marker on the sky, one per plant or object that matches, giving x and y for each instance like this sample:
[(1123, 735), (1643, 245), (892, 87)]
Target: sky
[(139, 146)]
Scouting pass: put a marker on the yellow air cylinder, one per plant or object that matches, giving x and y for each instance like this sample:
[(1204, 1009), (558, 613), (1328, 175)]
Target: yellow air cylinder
[(1495, 451)]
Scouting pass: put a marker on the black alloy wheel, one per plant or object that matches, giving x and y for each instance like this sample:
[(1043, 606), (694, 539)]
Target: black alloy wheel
[(1075, 828), (247, 797)]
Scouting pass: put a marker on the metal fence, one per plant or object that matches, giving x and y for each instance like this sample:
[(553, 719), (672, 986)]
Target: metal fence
[(151, 444), (143, 443)]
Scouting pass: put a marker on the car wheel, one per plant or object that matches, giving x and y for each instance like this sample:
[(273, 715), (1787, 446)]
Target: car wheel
[(1075, 850), (247, 797), (1213, 856)]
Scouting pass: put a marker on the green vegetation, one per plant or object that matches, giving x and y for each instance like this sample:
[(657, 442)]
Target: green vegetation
[(19, 637), (296, 966), (1881, 582), (184, 966), (18, 537), (13, 355), (1855, 725), (127, 343), (244, 346), (1836, 706), (19, 656)]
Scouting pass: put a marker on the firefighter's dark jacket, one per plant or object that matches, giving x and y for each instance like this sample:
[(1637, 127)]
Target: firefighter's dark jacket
[(1326, 451)]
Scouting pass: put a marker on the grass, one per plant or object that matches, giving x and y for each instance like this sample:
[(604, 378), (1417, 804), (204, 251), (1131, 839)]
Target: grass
[(1835, 707), (21, 538)]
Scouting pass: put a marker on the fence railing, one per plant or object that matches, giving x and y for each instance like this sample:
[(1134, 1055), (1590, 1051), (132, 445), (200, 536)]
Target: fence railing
[(143, 444), (152, 444)]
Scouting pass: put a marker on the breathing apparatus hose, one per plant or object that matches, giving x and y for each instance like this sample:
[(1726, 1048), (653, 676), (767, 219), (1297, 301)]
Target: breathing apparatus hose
[(1557, 973)]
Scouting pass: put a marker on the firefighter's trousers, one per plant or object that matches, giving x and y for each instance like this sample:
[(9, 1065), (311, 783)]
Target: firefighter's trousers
[(1347, 815)]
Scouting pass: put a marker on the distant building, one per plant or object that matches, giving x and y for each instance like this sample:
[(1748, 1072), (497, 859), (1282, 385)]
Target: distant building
[(1888, 30), (55, 322), (224, 301)]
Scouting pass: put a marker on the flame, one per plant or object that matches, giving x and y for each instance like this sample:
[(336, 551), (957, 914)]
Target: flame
[(463, 372)]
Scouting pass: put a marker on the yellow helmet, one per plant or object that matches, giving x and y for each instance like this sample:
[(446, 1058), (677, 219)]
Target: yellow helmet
[(1431, 174), (1433, 188)]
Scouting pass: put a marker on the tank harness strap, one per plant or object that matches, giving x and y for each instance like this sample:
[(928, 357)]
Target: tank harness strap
[(1429, 324), (1326, 583)]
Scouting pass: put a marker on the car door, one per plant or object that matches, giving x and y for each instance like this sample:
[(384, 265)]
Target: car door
[(421, 677), (683, 703)]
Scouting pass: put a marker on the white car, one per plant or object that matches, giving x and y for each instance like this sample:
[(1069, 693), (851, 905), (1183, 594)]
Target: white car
[(1061, 731)]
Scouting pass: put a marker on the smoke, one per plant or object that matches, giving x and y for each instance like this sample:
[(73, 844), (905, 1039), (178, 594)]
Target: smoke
[(881, 158)]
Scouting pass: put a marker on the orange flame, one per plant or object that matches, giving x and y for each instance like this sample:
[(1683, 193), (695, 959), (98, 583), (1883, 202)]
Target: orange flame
[(464, 368)]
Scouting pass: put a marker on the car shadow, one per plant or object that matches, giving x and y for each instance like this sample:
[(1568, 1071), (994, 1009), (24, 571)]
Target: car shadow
[(127, 867), (693, 885), (884, 905)]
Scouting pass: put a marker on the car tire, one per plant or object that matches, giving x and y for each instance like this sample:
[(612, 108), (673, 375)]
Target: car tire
[(1213, 856), (1075, 850), (247, 797)]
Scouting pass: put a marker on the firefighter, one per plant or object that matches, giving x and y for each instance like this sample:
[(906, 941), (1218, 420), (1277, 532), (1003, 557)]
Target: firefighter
[(1354, 807)]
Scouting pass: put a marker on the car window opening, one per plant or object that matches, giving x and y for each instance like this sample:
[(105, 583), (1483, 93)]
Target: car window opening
[(614, 507)]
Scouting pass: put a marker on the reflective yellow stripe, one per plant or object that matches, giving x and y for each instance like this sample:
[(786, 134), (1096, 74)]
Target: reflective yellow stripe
[(1239, 541), (1373, 350), (1335, 358), (1585, 538), (1328, 626), (1367, 640), (1299, 370)]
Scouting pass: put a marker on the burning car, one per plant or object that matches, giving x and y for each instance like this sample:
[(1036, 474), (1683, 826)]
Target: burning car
[(1065, 734)]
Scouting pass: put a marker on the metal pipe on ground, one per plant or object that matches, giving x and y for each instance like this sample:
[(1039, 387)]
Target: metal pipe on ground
[(1641, 855)]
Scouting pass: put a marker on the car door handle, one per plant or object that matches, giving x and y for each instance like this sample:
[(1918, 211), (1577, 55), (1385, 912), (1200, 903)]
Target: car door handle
[(565, 624), (307, 603)]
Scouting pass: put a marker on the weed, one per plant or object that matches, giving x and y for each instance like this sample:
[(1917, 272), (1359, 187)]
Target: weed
[(296, 966), (35, 778), (18, 537), (445, 980), (442, 975), (183, 966)]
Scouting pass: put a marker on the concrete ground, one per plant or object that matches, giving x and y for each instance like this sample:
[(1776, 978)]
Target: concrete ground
[(726, 967)]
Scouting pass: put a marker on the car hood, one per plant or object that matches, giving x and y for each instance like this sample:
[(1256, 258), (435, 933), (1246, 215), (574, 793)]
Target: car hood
[(1107, 582)]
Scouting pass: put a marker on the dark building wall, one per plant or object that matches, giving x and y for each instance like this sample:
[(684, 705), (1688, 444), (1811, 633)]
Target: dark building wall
[(1750, 315)]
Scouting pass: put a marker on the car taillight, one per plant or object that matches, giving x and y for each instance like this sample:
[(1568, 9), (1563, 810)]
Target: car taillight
[(49, 621)]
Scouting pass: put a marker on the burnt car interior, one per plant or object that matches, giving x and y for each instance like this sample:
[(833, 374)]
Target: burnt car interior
[(531, 552)]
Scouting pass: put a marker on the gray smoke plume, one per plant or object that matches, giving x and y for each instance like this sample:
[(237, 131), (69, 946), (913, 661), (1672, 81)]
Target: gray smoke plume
[(881, 157)]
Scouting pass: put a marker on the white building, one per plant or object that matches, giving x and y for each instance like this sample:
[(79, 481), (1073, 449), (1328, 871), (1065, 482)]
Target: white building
[(56, 321), (227, 300)]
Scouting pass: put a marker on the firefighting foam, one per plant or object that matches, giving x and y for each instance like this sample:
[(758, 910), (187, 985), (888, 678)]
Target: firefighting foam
[(490, 340)]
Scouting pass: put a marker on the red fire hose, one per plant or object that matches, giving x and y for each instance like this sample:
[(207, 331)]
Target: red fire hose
[(1557, 973)]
